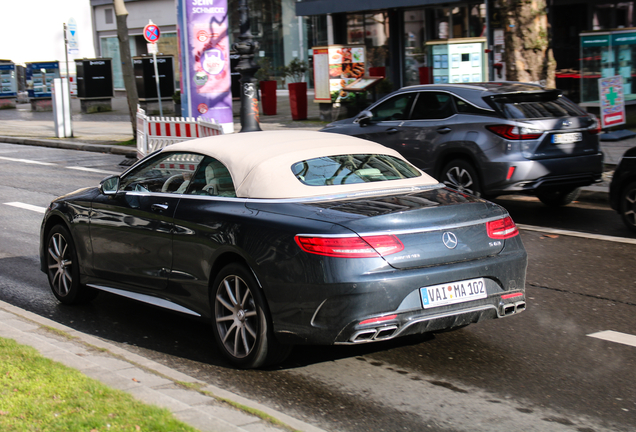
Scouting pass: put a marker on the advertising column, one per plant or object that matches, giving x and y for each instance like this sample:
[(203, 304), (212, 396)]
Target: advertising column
[(205, 61)]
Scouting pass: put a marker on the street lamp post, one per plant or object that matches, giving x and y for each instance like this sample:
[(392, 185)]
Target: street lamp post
[(247, 67)]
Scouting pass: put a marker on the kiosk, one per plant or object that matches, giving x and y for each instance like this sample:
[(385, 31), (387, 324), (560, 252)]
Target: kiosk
[(147, 86), (39, 80), (95, 84), (8, 85)]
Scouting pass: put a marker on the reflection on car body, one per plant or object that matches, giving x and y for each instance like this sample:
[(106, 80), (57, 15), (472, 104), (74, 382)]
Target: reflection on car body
[(284, 238)]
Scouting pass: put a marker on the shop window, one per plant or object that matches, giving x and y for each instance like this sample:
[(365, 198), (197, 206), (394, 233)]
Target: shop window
[(477, 20), (459, 19), (441, 23), (415, 48)]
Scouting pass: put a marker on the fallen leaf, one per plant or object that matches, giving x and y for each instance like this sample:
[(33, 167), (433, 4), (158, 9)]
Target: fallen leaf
[(4, 413), (135, 380), (552, 236)]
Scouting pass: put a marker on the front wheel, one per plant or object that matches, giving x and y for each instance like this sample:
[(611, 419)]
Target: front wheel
[(460, 175), (63, 268), (627, 206), (558, 197), (241, 326)]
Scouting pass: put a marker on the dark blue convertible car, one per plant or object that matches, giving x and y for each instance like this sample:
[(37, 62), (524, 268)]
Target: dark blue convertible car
[(284, 238)]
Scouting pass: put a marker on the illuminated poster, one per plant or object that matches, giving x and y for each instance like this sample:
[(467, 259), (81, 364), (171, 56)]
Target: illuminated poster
[(612, 101), (205, 61)]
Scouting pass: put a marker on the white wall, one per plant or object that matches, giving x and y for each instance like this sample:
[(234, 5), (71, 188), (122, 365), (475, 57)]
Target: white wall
[(33, 31)]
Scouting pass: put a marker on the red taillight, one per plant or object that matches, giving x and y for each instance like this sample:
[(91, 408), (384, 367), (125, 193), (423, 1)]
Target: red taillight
[(596, 126), (378, 320), (515, 133), (502, 228), (350, 247), (511, 171), (509, 296)]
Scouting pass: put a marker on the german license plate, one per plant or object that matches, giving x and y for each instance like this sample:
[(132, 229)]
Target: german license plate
[(566, 138), (453, 292)]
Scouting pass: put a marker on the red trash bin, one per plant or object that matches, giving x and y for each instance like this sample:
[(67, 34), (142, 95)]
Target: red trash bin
[(298, 100), (268, 97)]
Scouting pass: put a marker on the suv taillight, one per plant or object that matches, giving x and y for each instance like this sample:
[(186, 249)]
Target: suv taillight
[(350, 246), (595, 128), (514, 132)]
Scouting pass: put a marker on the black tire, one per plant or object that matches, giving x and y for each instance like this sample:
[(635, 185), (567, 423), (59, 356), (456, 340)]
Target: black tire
[(63, 268), (558, 197), (627, 205), (462, 176), (241, 324)]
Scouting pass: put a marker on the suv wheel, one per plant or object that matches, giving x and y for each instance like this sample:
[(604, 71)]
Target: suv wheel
[(460, 175), (627, 206), (558, 197)]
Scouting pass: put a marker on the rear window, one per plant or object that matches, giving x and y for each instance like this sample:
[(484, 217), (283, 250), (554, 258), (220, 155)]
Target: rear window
[(526, 106), (351, 169)]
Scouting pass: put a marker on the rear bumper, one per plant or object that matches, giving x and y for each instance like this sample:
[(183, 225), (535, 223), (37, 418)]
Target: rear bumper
[(336, 317), (531, 176)]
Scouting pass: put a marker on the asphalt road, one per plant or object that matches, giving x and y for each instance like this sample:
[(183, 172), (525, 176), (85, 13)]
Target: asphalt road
[(537, 371)]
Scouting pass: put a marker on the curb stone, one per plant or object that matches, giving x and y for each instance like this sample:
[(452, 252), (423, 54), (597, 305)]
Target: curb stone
[(147, 380)]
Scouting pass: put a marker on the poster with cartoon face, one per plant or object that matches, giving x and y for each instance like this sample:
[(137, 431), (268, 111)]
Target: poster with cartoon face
[(207, 64)]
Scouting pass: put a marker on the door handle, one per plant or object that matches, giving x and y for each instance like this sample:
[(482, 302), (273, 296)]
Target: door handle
[(392, 130), (444, 130), (159, 207)]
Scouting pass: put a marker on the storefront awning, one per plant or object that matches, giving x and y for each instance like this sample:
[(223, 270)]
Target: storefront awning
[(322, 7)]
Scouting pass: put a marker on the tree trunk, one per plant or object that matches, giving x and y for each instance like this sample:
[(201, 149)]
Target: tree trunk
[(126, 63), (528, 52)]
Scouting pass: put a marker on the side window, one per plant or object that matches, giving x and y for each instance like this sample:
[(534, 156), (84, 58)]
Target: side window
[(212, 178), (466, 108), (167, 173), (396, 108), (432, 105)]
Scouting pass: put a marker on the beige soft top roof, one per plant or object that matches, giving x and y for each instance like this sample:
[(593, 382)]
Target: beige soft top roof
[(260, 162)]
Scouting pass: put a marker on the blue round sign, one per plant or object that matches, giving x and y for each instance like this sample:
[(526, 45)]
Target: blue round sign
[(151, 33)]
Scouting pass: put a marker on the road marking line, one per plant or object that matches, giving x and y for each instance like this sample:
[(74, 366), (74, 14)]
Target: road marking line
[(577, 234), (614, 336), (93, 170), (27, 206), (26, 161)]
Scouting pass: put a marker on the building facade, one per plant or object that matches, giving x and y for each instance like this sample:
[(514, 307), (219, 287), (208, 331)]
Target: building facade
[(411, 41)]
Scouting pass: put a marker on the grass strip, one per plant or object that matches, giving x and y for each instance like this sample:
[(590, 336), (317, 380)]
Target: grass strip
[(39, 394)]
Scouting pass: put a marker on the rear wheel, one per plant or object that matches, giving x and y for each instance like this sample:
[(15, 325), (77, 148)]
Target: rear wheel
[(63, 268), (242, 327), (627, 206), (558, 197), (461, 175)]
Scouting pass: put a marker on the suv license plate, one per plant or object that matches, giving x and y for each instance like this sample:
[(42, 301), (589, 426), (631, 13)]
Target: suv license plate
[(566, 138), (453, 292)]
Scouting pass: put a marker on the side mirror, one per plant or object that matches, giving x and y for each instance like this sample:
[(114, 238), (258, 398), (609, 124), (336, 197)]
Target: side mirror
[(109, 185), (364, 118)]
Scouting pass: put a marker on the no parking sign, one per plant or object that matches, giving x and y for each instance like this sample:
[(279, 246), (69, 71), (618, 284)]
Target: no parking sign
[(151, 32)]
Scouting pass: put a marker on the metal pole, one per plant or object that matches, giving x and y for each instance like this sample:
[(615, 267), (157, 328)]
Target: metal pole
[(154, 60), (68, 130), (247, 67)]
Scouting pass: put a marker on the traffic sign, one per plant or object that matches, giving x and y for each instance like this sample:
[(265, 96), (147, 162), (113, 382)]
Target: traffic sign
[(151, 32)]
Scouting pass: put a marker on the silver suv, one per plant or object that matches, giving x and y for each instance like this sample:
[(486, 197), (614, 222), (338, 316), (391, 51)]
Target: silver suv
[(488, 139)]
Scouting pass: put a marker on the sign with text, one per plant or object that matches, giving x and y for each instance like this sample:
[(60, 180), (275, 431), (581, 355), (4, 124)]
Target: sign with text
[(205, 60), (612, 101)]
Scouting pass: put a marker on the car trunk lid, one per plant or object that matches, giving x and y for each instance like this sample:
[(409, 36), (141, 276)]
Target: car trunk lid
[(436, 226)]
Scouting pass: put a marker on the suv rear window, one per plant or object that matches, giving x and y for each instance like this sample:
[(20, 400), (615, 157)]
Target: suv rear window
[(526, 106), (352, 168)]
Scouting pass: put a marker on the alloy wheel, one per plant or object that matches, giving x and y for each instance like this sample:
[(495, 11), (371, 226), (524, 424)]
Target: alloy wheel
[(459, 178), (628, 206), (236, 316), (60, 264)]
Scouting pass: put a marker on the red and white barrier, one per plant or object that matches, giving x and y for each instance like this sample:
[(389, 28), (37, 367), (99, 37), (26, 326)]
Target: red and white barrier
[(154, 133)]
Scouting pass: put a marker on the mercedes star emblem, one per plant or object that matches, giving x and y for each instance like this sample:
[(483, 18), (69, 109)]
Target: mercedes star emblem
[(450, 240)]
